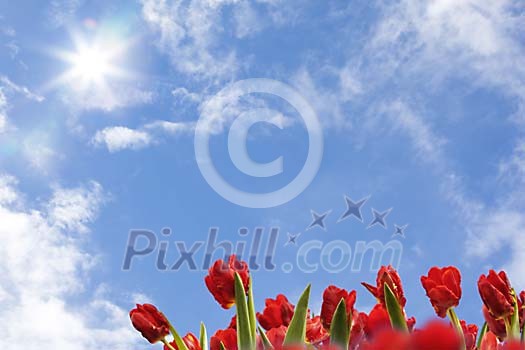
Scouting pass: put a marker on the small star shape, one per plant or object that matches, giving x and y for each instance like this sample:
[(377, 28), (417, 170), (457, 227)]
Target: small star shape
[(292, 239), (353, 208), (400, 230), (379, 218), (318, 219)]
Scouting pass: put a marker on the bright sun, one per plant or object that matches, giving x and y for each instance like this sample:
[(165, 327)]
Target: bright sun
[(92, 64)]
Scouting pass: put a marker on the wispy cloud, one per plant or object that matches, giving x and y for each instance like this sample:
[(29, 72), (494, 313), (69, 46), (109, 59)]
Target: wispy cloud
[(108, 98), (21, 89), (119, 138), (7, 86), (187, 34), (3, 112)]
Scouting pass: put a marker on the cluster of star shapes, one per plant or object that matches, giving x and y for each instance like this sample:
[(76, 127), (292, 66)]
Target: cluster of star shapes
[(353, 209)]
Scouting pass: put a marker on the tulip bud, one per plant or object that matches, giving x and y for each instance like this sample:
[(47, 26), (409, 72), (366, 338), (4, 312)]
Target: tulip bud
[(150, 322), (496, 293)]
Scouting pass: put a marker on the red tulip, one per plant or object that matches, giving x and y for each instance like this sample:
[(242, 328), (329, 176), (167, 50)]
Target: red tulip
[(276, 336), (436, 335), (496, 293), (377, 321), (357, 333), (331, 297), (443, 287), (387, 275), (233, 322), (315, 332), (221, 277), (150, 322), (388, 339), (489, 342), (190, 340), (470, 331), (278, 312), (228, 337), (496, 326)]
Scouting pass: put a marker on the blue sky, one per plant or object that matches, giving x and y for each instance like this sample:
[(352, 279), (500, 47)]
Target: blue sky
[(421, 106)]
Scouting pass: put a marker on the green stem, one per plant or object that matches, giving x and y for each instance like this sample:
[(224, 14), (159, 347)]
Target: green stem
[(515, 319), (454, 319), (484, 330), (512, 332)]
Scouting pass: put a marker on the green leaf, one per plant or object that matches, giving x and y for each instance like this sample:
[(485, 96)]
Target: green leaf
[(395, 312), (482, 333), (340, 328), (296, 333), (265, 340), (244, 335), (178, 339), (251, 311), (203, 337)]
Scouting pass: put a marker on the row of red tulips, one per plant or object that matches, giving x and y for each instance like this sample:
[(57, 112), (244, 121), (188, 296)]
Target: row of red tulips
[(339, 325)]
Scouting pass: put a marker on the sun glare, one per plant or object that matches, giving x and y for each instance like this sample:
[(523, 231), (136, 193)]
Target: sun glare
[(92, 64)]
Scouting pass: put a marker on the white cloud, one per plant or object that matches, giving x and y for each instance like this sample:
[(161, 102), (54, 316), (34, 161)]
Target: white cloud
[(21, 89), (187, 33), (62, 12), (425, 142), (107, 97), (6, 85), (182, 95), (246, 19), (72, 209), (173, 128), (472, 39), (118, 138), (43, 274), (3, 112)]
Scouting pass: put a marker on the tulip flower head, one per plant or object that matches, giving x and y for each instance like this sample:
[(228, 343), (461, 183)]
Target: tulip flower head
[(496, 293), (315, 331), (150, 322), (331, 297), (278, 312), (221, 280), (443, 288), (228, 338), (387, 275)]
